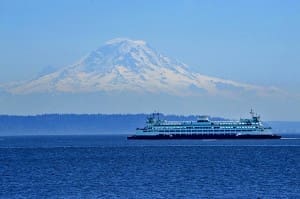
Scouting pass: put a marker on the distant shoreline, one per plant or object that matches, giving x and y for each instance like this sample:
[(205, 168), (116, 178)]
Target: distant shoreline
[(100, 124)]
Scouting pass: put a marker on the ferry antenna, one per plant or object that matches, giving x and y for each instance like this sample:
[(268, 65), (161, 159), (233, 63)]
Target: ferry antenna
[(252, 112)]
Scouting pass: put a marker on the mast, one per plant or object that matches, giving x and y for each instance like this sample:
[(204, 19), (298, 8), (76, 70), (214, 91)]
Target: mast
[(252, 113)]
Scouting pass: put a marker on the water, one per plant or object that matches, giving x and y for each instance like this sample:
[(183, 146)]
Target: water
[(113, 167)]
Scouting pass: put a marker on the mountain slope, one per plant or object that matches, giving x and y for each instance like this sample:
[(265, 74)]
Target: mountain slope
[(131, 65)]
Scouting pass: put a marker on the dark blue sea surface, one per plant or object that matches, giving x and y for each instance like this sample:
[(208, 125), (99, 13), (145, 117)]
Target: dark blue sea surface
[(113, 167)]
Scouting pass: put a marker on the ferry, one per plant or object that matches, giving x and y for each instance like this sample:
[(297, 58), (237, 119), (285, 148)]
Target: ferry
[(204, 128)]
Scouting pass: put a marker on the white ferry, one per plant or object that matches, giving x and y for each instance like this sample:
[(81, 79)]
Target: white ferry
[(204, 128)]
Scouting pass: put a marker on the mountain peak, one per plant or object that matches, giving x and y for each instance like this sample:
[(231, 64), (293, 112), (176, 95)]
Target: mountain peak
[(135, 55), (125, 40)]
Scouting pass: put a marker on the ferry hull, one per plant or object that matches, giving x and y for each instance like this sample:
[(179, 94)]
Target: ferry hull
[(203, 136)]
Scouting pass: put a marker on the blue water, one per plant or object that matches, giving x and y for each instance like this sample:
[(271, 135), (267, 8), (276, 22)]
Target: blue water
[(113, 167)]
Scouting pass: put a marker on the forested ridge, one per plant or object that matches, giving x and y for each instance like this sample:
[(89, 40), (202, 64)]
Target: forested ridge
[(61, 124)]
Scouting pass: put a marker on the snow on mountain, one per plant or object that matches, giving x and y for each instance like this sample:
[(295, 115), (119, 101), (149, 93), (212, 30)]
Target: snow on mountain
[(130, 65)]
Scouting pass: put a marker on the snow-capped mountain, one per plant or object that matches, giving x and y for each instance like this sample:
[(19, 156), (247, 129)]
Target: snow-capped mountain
[(130, 65)]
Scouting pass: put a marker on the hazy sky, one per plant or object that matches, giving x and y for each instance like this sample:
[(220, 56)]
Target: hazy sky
[(255, 42)]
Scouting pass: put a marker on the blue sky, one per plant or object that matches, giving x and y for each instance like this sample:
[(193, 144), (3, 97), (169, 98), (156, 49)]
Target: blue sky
[(248, 41)]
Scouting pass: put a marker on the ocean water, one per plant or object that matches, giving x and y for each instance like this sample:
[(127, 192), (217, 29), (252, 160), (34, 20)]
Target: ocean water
[(113, 167)]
